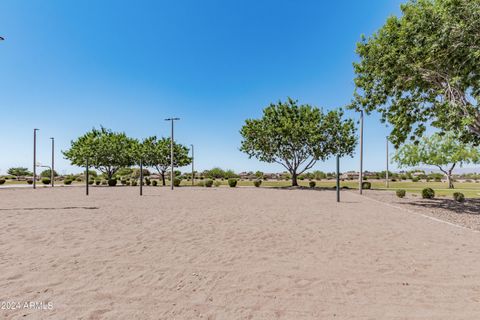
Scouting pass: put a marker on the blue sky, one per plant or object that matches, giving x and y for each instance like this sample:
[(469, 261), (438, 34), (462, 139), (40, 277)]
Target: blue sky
[(69, 66)]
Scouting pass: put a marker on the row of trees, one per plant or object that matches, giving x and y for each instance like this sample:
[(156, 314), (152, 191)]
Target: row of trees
[(109, 152)]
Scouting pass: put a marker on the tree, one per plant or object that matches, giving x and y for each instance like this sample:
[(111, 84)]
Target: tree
[(297, 136), (48, 173), (19, 172), (156, 154), (107, 151), (444, 151), (423, 68)]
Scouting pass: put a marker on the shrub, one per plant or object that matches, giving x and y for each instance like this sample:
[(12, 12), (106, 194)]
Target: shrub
[(154, 183), (147, 181), (217, 183), (459, 197), (401, 193), (30, 181), (67, 181), (79, 179), (177, 181), (366, 185), (97, 182), (104, 182), (345, 187), (90, 181), (134, 183), (415, 179), (2, 181), (208, 183), (393, 180), (232, 182), (428, 193), (123, 182), (112, 182), (257, 183), (312, 184), (46, 180)]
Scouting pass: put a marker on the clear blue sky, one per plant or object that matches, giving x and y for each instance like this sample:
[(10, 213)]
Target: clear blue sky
[(67, 66)]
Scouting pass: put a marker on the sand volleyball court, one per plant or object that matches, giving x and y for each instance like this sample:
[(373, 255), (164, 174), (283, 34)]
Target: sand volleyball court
[(222, 253)]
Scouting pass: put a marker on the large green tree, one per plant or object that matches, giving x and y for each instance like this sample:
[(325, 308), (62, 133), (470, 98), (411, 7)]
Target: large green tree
[(423, 68), (107, 151), (19, 171), (155, 153), (297, 136), (444, 151)]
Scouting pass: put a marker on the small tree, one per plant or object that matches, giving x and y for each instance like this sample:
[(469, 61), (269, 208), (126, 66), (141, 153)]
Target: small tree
[(441, 150), (297, 136), (48, 173), (19, 172), (156, 153), (107, 151)]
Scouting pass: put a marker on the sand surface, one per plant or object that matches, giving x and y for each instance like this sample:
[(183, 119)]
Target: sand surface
[(222, 253)]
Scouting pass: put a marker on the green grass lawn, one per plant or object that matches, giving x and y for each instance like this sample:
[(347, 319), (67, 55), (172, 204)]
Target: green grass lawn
[(469, 189)]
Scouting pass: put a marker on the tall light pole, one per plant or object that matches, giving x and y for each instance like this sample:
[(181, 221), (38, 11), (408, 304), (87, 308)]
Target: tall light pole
[(35, 158), (386, 174), (171, 152), (52, 171), (360, 175), (193, 159), (338, 178)]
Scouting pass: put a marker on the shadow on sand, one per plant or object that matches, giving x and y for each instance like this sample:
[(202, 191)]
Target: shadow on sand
[(470, 206)]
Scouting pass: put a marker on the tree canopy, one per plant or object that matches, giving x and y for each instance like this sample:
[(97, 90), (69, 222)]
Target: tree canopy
[(297, 136), (423, 68), (19, 172), (156, 153), (106, 150), (444, 151)]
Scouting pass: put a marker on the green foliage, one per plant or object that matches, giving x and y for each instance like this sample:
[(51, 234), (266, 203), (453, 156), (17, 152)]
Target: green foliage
[(423, 67), (312, 184), (232, 182), (297, 136), (112, 182), (428, 193), (200, 184), (366, 185), (176, 182), (459, 197), (257, 183), (122, 172), (47, 173), (91, 181), (415, 179), (107, 151), (438, 150), (134, 183), (67, 181), (208, 183), (30, 181), (19, 172), (217, 183), (104, 182), (319, 175), (2, 180), (46, 180), (91, 173), (98, 181), (154, 183), (147, 181), (401, 193)]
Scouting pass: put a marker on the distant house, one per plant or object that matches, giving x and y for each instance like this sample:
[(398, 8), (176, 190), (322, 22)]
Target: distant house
[(353, 175)]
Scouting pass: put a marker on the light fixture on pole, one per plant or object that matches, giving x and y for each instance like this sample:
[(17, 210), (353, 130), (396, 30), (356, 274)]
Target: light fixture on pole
[(35, 158), (360, 174), (52, 172), (193, 159), (171, 152)]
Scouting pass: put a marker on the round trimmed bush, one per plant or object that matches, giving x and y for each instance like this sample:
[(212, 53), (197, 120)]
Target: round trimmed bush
[(134, 183), (208, 183), (67, 182), (123, 182), (112, 182), (312, 184), (176, 182), (401, 193), (217, 183), (97, 182), (148, 182), (2, 181), (154, 183), (415, 179), (459, 197), (30, 181), (257, 183), (428, 193), (232, 182), (90, 181), (366, 185), (79, 179)]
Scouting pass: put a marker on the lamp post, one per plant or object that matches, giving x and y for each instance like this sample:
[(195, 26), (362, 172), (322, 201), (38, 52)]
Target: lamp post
[(52, 171), (35, 158), (338, 178), (386, 174), (193, 159), (360, 175), (171, 152), (141, 177), (87, 177)]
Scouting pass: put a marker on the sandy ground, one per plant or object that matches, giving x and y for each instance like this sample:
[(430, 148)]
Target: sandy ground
[(225, 253)]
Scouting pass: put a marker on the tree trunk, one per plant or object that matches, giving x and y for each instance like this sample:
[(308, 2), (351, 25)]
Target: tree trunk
[(294, 179), (449, 180), (163, 178)]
